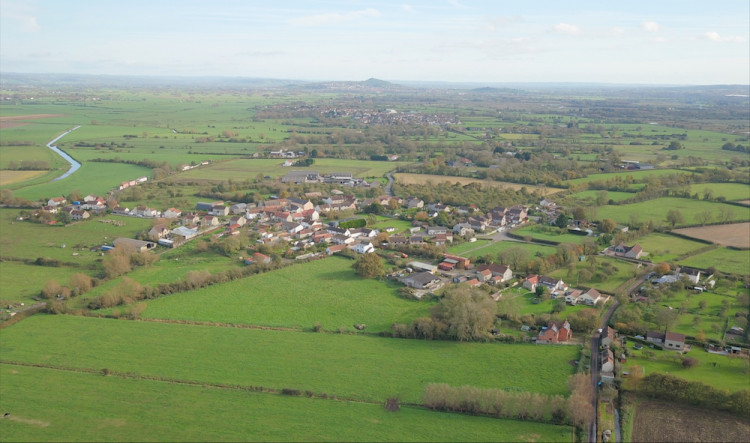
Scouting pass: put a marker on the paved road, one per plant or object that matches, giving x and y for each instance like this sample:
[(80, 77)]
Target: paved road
[(594, 368), (389, 186)]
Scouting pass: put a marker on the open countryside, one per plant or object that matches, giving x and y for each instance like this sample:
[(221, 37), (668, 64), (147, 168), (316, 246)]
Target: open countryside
[(396, 264)]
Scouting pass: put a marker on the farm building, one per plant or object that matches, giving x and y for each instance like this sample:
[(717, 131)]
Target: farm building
[(138, 245), (420, 280), (555, 332), (425, 267)]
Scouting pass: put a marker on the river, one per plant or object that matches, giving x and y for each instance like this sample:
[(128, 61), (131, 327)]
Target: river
[(74, 165)]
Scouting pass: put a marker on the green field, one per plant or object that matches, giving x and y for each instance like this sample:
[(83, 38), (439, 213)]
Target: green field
[(637, 176), (32, 240), (91, 178), (729, 373), (665, 247), (241, 169), (494, 248), (48, 405), (730, 191), (21, 282), (549, 233), (351, 366), (326, 291), (591, 196), (622, 272), (657, 209), (723, 259)]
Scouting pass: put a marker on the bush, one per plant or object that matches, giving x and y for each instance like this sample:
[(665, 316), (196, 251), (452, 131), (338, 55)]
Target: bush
[(292, 392), (317, 327), (392, 404), (689, 362)]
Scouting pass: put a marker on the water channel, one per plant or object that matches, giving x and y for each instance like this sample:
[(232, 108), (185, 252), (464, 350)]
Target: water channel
[(74, 165)]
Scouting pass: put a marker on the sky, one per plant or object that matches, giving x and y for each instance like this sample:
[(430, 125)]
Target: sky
[(685, 42)]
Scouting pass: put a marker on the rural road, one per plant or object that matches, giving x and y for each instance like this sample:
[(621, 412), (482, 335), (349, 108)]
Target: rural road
[(594, 367), (389, 186)]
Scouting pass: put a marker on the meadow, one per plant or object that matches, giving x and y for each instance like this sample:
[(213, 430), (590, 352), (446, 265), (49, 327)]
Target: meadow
[(730, 373), (723, 259), (22, 282), (494, 248), (654, 421), (665, 247), (48, 404), (621, 272), (351, 366), (242, 169), (730, 191), (590, 196), (636, 176), (325, 291), (548, 233), (24, 239), (736, 235), (657, 210)]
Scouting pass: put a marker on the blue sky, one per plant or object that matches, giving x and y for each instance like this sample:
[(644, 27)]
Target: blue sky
[(644, 42)]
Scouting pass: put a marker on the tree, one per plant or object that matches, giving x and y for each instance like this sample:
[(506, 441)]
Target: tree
[(674, 216), (580, 409), (674, 146), (579, 213), (666, 318), (704, 217), (515, 257), (662, 268), (369, 266), (607, 226), (561, 221), (52, 289), (80, 283), (374, 208), (468, 314), (602, 198)]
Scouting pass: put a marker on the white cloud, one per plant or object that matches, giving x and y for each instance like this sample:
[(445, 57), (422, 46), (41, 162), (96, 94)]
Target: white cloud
[(616, 31), (22, 14), (716, 37), (650, 26), (407, 7), (334, 17), (567, 29)]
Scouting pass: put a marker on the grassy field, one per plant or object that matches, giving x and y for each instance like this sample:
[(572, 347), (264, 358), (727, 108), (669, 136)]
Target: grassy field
[(637, 176), (665, 247), (494, 248), (730, 373), (623, 271), (730, 191), (733, 234), (326, 291), (549, 233), (241, 169), (723, 259), (358, 367), (21, 282), (12, 177), (91, 178), (657, 209), (32, 240), (591, 196), (668, 422), (48, 404)]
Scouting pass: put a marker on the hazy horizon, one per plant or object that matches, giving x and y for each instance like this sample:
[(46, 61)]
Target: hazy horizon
[(478, 42)]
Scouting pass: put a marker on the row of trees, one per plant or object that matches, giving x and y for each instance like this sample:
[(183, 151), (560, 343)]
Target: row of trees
[(576, 410)]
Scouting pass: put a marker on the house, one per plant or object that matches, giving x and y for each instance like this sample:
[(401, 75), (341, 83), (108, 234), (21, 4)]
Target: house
[(158, 231), (436, 230), (334, 249), (555, 332), (484, 275), (220, 210), (590, 297), (414, 203), (553, 284), (364, 247), (57, 201), (572, 297), (463, 229), (191, 218), (203, 206), (420, 280), (238, 208), (694, 275), (172, 213), (473, 282), (261, 258), (608, 336), (299, 205), (77, 214), (608, 362), (209, 220), (669, 340), (531, 282), (237, 220), (635, 251), (502, 271), (397, 240)]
